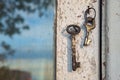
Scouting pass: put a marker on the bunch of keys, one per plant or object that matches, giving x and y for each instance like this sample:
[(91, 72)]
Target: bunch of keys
[(74, 30), (89, 25)]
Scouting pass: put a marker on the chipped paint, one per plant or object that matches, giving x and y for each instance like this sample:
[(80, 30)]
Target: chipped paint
[(72, 12)]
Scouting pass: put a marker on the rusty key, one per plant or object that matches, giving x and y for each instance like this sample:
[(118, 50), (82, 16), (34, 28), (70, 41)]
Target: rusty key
[(89, 24), (74, 30)]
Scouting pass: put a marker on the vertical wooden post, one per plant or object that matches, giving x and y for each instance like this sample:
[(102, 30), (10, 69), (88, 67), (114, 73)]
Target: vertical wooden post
[(72, 12)]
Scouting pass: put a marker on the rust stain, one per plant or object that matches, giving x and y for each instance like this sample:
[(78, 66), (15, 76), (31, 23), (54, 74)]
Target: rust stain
[(104, 63), (118, 14), (79, 16), (68, 2)]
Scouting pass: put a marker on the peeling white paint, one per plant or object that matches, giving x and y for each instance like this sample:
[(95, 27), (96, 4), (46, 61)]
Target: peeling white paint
[(72, 12)]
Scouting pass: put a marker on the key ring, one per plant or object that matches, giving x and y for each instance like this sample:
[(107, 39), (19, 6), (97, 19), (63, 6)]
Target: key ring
[(90, 21), (88, 12)]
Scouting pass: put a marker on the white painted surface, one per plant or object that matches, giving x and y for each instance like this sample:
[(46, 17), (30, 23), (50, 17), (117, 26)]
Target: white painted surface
[(105, 40), (113, 22), (72, 12)]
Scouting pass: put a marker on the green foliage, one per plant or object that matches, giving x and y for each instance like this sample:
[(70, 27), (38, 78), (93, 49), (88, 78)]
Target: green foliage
[(9, 17)]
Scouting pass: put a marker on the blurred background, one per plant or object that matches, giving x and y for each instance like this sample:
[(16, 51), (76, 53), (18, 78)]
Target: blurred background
[(27, 39)]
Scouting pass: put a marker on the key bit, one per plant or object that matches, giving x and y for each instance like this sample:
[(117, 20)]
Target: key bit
[(75, 64)]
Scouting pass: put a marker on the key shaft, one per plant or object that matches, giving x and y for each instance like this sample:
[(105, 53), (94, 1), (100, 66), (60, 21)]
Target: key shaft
[(75, 64)]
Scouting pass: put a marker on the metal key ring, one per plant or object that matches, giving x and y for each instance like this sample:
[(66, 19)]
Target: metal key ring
[(88, 12), (73, 29)]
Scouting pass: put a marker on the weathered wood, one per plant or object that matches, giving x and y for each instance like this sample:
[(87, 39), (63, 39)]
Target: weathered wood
[(72, 12)]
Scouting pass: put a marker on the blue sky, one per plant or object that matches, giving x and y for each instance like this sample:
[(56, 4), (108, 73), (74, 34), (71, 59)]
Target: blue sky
[(36, 41), (34, 47)]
